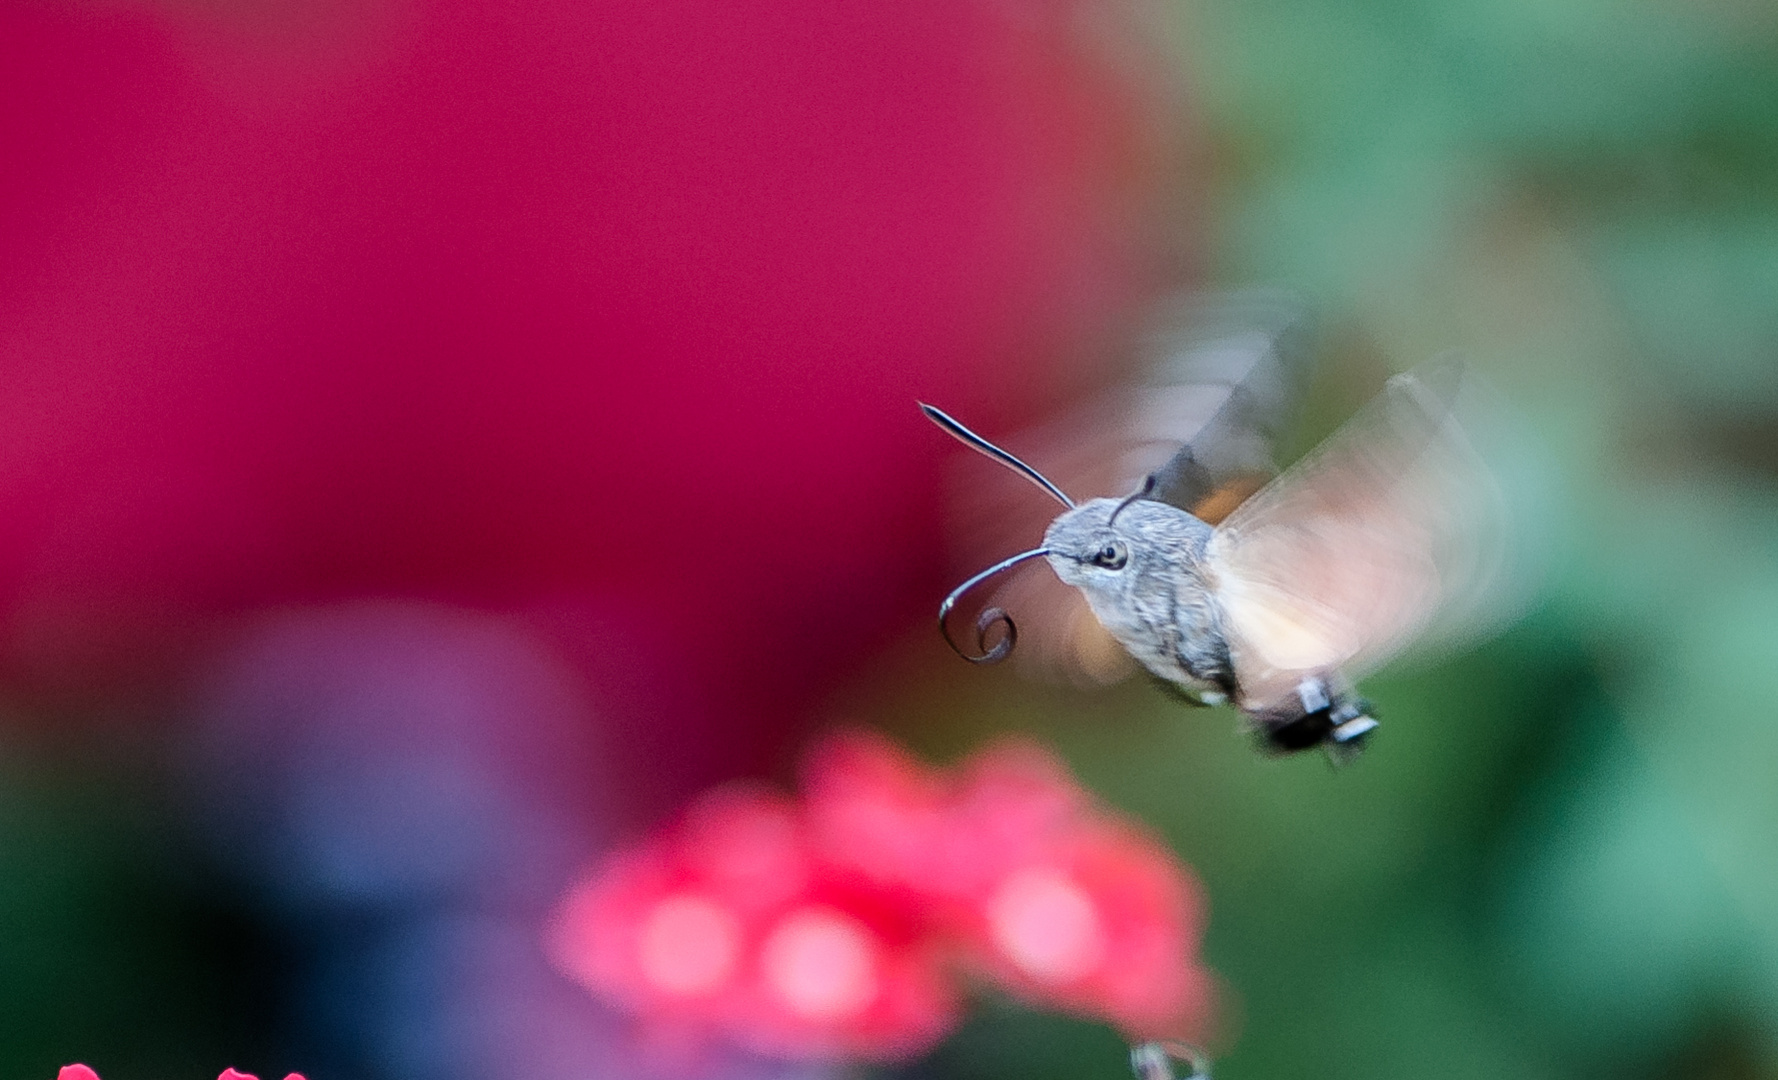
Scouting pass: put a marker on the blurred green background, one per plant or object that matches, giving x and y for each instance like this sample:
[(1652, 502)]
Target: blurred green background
[(1561, 857)]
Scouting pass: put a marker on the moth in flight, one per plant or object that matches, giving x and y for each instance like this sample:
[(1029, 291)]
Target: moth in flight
[(1274, 596)]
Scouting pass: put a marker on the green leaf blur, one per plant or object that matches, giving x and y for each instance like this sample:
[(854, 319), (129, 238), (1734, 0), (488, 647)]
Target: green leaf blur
[(1560, 858)]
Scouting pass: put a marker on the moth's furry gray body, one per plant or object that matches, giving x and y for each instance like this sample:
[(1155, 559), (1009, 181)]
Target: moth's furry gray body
[(1160, 606)]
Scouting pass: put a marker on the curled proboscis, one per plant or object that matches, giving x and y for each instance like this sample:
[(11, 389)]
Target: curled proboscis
[(984, 629), (988, 620)]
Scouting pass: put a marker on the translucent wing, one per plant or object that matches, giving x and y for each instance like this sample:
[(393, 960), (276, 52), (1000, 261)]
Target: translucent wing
[(1225, 380), (1215, 379), (1392, 529)]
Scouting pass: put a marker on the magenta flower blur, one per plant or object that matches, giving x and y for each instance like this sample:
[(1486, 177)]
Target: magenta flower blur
[(730, 920), (837, 926), (81, 1072)]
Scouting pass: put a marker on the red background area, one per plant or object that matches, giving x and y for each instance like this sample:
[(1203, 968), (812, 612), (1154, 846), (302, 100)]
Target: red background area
[(620, 309)]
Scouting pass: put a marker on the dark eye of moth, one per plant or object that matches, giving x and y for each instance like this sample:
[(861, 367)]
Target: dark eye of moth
[(1112, 556)]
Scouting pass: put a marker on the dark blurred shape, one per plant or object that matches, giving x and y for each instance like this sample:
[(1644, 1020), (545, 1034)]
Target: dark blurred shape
[(403, 753), (405, 789)]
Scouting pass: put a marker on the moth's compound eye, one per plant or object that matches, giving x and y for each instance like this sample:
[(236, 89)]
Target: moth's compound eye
[(1112, 556)]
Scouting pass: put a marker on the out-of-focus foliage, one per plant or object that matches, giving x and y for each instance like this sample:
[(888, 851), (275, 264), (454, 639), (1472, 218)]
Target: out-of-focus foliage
[(112, 943), (1560, 858)]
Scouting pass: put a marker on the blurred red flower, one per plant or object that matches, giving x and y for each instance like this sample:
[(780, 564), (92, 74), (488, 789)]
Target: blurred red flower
[(1050, 895), (81, 1072), (731, 919), (877, 811), (1100, 921), (832, 927)]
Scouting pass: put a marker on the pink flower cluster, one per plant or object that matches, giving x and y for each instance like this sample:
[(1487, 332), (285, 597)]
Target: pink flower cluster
[(836, 926), (81, 1072)]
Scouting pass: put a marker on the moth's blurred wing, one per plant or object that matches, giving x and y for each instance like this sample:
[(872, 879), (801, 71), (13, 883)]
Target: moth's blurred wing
[(1392, 529), (1225, 379)]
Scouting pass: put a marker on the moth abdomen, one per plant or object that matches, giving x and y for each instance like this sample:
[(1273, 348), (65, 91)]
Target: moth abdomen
[(1316, 715)]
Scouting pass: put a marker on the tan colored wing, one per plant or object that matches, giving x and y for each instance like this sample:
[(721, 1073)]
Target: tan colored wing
[(1392, 529)]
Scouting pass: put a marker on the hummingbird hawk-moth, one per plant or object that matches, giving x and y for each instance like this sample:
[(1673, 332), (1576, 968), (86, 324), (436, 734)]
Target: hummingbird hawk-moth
[(1275, 600)]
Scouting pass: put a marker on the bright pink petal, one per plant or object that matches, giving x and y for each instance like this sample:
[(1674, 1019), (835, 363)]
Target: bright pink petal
[(230, 1074), (1106, 925), (747, 844), (941, 834), (830, 984), (76, 1072), (647, 936), (874, 809)]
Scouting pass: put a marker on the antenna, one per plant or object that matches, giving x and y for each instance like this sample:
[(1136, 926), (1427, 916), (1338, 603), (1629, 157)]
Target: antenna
[(977, 443), (1142, 492)]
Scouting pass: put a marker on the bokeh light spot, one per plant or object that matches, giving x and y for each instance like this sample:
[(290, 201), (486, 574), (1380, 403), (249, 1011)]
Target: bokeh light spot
[(1047, 926), (689, 945), (822, 964)]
